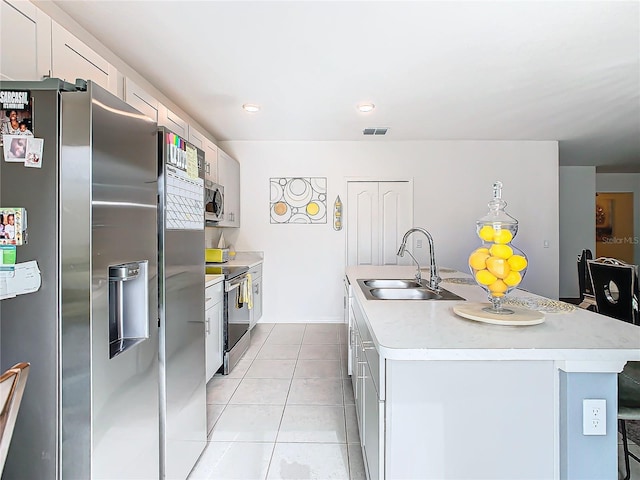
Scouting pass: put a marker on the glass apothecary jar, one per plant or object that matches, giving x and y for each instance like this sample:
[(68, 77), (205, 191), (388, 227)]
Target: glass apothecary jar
[(497, 266)]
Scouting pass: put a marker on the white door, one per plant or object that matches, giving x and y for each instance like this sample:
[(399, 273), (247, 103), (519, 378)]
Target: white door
[(378, 215)]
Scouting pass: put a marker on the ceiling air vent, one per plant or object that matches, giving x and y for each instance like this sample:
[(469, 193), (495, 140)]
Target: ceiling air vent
[(375, 131)]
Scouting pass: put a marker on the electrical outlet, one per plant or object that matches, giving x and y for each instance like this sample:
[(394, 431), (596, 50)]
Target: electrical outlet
[(594, 416), (419, 243)]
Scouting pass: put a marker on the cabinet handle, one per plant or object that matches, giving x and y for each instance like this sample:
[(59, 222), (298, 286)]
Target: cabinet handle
[(208, 329), (363, 376), (368, 345)]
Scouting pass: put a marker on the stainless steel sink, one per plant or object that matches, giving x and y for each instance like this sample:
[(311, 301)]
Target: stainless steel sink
[(387, 289), (385, 283)]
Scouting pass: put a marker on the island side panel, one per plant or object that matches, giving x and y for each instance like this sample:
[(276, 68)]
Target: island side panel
[(587, 457), (464, 419)]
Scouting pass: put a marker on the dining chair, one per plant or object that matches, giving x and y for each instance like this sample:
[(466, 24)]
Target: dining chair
[(12, 383), (587, 300), (615, 288), (628, 407)]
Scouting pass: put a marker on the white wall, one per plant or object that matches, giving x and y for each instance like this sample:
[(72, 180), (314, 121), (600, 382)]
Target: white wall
[(624, 182), (577, 223), (304, 264)]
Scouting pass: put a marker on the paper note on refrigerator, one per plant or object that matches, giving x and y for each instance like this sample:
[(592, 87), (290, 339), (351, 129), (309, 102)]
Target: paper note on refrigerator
[(192, 161), (26, 279)]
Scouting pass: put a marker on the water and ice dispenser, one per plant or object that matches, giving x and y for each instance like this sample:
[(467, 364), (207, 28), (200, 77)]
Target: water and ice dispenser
[(128, 306)]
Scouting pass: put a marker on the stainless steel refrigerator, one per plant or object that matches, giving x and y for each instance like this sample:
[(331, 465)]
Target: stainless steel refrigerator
[(183, 415), (90, 408)]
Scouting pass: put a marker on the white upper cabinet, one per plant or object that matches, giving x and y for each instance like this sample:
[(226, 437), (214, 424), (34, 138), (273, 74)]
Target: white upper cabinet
[(141, 100), (71, 59), (210, 161), (25, 39), (229, 178), (173, 122), (196, 138)]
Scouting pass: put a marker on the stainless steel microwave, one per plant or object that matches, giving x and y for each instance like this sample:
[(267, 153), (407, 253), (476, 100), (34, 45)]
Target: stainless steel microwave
[(213, 202)]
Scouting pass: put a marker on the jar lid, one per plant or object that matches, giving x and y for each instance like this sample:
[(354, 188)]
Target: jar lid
[(496, 215)]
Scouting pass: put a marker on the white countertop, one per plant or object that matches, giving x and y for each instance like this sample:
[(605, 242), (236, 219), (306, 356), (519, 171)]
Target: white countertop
[(212, 279), (245, 259), (430, 330)]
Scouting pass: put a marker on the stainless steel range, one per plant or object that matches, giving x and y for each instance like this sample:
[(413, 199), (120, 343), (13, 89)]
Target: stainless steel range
[(236, 315)]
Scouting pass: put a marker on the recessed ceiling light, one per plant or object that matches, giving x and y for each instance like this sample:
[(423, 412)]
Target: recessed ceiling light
[(366, 107), (251, 107)]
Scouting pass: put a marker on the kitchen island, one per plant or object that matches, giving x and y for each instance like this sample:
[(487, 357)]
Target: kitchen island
[(442, 397)]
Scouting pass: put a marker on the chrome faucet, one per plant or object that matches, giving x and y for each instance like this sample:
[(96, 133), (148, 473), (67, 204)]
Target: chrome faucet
[(434, 279)]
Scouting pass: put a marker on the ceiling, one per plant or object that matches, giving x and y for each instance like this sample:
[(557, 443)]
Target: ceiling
[(555, 70)]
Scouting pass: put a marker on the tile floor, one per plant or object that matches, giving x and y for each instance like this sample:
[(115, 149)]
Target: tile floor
[(286, 411)]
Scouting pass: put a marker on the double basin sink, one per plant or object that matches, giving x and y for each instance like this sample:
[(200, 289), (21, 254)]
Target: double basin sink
[(392, 289)]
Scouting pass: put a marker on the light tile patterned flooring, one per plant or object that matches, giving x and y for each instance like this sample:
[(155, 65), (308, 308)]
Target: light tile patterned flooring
[(286, 411)]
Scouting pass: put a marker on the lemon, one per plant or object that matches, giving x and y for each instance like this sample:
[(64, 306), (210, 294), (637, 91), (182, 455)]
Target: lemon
[(498, 287), (503, 236), (478, 258), (517, 262), (513, 279), (501, 251), (487, 233), (498, 266), (485, 277)]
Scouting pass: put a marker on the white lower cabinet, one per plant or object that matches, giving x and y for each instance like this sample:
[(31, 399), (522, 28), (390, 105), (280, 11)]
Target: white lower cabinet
[(256, 287), (213, 328), (367, 380), (373, 426)]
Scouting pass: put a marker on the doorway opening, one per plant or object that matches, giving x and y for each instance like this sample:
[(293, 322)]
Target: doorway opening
[(615, 236)]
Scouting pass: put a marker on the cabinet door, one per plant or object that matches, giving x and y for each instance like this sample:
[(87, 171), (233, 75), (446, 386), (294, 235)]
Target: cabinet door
[(359, 365), (166, 118), (25, 41), (348, 319), (140, 100), (196, 138), (71, 59), (378, 215), (229, 178), (256, 313), (372, 427), (210, 161), (213, 339)]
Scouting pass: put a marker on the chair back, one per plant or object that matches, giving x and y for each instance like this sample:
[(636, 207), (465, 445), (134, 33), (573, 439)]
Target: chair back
[(584, 278), (615, 287), (12, 383)]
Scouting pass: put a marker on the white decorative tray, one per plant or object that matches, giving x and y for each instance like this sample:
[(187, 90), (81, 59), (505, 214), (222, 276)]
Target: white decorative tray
[(520, 316)]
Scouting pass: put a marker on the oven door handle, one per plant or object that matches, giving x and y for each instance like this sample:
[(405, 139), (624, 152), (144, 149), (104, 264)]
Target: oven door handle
[(230, 286)]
